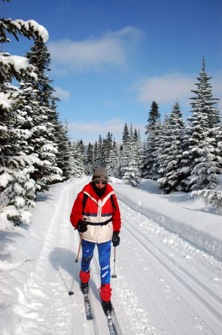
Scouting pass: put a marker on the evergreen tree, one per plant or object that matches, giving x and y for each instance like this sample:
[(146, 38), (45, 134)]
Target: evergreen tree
[(91, 152), (199, 141), (17, 188), (218, 147), (107, 145), (16, 160), (130, 160), (171, 155), (162, 151), (48, 149), (203, 101), (98, 156), (77, 159), (63, 161), (18, 67), (154, 116), (113, 160), (152, 131), (126, 136), (124, 151)]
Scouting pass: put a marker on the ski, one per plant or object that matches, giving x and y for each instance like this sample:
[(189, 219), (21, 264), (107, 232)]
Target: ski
[(111, 323), (88, 308)]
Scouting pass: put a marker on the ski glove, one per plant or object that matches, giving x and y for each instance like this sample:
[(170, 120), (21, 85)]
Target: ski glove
[(81, 226), (116, 238)]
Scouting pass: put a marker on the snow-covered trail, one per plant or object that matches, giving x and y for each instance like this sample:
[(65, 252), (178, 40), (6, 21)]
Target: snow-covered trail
[(163, 286), (174, 285)]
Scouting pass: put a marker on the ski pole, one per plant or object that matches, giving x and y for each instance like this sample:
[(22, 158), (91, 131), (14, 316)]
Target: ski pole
[(114, 262), (76, 260)]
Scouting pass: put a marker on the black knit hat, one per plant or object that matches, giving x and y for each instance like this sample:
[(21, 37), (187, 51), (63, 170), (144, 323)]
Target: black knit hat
[(100, 173)]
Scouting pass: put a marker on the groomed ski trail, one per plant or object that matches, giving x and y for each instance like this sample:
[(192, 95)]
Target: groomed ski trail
[(45, 306), (172, 286), (156, 290)]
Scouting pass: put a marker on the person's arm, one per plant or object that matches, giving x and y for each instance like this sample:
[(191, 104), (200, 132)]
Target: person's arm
[(116, 219), (76, 213)]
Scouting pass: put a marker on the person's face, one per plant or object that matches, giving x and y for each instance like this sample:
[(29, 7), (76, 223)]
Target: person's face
[(100, 184)]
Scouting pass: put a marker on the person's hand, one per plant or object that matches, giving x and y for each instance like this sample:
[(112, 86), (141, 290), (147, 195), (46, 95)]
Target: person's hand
[(82, 226), (116, 238)]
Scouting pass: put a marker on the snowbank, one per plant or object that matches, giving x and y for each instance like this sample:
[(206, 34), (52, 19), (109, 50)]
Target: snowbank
[(189, 218)]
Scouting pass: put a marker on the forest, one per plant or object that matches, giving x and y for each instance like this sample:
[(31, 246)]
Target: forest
[(36, 151)]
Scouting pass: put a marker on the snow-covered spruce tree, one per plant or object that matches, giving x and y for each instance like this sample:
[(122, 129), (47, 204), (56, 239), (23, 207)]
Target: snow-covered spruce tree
[(138, 157), (17, 188), (218, 139), (131, 160), (38, 125), (213, 197), (46, 120), (77, 159), (103, 153), (90, 158), (126, 135), (163, 149), (63, 161), (155, 137), (124, 151), (113, 160), (107, 144), (118, 173), (110, 153), (199, 160), (98, 153), (82, 156), (153, 129), (170, 159)]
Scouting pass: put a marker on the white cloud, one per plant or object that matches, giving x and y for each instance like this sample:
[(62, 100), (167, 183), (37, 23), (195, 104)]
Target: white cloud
[(165, 89), (62, 94), (113, 48), (168, 89)]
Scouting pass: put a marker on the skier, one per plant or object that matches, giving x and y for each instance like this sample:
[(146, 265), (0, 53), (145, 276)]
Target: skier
[(96, 215)]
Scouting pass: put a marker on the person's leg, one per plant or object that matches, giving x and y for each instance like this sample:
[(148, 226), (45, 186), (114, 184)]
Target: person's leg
[(87, 255), (104, 250)]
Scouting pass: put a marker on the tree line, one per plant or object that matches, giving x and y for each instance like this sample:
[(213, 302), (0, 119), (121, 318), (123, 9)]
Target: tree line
[(178, 155)]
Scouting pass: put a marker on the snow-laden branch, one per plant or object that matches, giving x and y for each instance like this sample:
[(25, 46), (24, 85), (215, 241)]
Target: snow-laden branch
[(16, 66), (30, 29), (5, 102), (213, 197)]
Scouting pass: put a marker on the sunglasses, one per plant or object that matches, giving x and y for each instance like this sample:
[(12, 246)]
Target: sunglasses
[(97, 182)]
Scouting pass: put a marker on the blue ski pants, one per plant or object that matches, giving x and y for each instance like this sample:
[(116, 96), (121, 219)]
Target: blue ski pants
[(104, 252)]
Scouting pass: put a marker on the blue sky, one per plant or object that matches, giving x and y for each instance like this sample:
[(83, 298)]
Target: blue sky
[(111, 58)]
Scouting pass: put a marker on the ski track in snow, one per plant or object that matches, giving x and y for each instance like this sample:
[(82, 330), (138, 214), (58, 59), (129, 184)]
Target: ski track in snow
[(166, 286), (184, 280)]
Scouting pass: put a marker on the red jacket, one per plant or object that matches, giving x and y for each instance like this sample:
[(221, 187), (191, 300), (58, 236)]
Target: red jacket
[(97, 210)]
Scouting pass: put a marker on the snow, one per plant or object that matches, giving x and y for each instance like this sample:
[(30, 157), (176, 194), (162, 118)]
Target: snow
[(38, 28), (20, 64), (176, 213), (5, 103), (168, 267)]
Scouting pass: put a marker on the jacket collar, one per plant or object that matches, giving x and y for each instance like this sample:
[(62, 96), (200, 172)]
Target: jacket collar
[(89, 189)]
